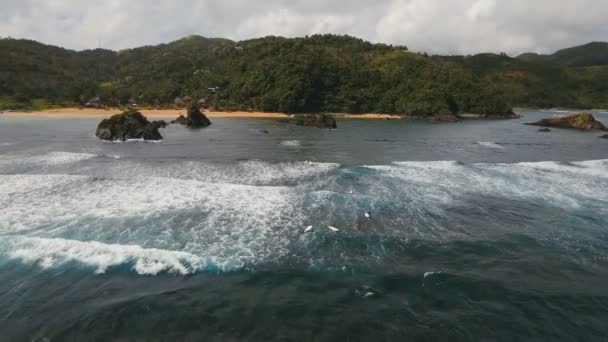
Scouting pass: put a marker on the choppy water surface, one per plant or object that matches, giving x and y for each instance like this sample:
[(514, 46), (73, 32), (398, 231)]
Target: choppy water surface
[(482, 230)]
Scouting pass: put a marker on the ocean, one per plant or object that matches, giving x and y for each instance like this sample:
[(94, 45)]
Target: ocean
[(477, 231)]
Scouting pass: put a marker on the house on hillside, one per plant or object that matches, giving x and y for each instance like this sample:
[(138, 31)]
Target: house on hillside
[(132, 103), (94, 102), (183, 101)]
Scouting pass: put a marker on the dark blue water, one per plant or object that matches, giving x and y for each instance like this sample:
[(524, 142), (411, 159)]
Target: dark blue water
[(480, 230)]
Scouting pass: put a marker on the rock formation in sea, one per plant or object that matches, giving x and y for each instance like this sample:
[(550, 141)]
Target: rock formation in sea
[(583, 121), (129, 125), (316, 120), (195, 118), (605, 136), (545, 130)]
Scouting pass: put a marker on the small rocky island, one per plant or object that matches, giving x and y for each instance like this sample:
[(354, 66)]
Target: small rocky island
[(195, 118), (583, 121), (129, 125), (316, 120)]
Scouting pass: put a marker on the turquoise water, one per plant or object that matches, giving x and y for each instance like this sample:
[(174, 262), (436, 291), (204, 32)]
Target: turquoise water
[(481, 230)]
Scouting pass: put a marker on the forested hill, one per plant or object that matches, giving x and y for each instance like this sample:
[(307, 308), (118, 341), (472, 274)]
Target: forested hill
[(322, 73), (576, 77)]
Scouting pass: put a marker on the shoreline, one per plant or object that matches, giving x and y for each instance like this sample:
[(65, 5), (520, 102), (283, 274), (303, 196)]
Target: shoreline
[(174, 113)]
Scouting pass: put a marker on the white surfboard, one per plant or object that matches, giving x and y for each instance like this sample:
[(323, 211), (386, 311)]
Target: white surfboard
[(308, 229), (333, 229)]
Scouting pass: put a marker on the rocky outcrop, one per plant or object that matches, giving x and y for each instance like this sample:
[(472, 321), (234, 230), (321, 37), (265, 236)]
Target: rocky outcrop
[(129, 125), (544, 130), (605, 136), (583, 121), (316, 120), (195, 118), (444, 117), (181, 120)]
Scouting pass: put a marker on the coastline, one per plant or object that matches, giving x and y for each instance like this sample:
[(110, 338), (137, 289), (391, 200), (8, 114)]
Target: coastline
[(174, 113)]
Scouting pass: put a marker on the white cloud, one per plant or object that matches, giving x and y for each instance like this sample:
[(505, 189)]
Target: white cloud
[(441, 26), (481, 9)]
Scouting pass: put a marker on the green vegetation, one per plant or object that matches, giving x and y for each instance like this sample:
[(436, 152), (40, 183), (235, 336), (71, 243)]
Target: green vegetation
[(571, 78), (321, 73)]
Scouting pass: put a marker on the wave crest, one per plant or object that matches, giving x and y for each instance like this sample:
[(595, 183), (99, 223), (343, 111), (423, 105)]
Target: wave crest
[(51, 253)]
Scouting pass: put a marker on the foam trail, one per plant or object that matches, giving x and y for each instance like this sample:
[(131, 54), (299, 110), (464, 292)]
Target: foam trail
[(51, 253), (490, 144), (291, 143)]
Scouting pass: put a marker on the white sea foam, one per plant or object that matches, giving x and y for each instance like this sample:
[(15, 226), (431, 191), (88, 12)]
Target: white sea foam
[(435, 165), (569, 185), (15, 163), (56, 158), (291, 143), (49, 253), (428, 274), (234, 224), (132, 141), (240, 225), (252, 172), (490, 144)]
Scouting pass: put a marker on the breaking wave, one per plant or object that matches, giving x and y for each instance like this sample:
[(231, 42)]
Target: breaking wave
[(188, 217), (52, 253)]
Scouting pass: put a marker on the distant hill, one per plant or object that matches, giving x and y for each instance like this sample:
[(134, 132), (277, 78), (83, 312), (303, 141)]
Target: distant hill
[(573, 78), (592, 54), (321, 73)]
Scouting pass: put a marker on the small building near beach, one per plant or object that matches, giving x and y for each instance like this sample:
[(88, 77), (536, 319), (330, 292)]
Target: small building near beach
[(94, 102)]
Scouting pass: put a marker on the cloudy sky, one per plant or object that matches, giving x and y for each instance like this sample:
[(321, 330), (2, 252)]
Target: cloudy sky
[(436, 26)]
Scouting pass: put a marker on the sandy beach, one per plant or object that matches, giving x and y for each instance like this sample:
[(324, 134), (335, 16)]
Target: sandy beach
[(174, 113)]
